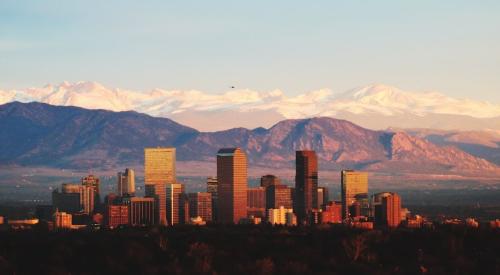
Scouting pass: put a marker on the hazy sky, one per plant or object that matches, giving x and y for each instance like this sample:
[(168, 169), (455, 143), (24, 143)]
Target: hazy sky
[(448, 46)]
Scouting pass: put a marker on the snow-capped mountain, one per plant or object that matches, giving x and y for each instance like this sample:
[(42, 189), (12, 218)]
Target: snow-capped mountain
[(374, 106)]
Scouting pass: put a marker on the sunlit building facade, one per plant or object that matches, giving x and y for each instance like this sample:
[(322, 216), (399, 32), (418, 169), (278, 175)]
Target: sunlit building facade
[(159, 165), (232, 185), (200, 205), (175, 203), (279, 195), (141, 211), (354, 189), (256, 202), (126, 183), (306, 183)]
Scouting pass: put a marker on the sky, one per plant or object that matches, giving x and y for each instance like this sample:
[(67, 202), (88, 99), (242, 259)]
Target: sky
[(448, 46)]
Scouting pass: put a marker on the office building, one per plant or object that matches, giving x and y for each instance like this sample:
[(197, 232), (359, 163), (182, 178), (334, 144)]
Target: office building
[(387, 209), (62, 220), (306, 183), (74, 198), (158, 192), (212, 189), (159, 165), (354, 188), (175, 204), (232, 185), (278, 216), (279, 195), (332, 212), (93, 182), (116, 215), (159, 171), (256, 202), (269, 180), (126, 183), (323, 197), (141, 211), (200, 205)]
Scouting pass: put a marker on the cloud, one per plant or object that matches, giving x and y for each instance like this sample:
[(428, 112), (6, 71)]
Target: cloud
[(371, 99)]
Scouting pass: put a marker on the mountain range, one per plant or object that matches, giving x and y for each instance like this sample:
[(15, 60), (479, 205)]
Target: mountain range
[(375, 106), (38, 134)]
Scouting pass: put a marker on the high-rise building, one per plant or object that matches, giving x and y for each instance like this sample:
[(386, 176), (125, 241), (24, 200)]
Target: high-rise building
[(323, 197), (279, 195), (387, 206), (159, 171), (212, 189), (116, 215), (278, 216), (141, 210), (62, 220), (306, 183), (354, 188), (93, 182), (268, 180), (126, 183), (175, 203), (256, 202), (200, 205), (74, 198), (232, 185), (159, 165), (184, 213), (158, 192)]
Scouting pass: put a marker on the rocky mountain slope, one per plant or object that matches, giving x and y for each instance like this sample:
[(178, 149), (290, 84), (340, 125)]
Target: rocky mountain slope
[(41, 134)]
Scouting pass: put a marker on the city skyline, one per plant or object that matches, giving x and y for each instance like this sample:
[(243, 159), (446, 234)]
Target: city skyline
[(249, 137)]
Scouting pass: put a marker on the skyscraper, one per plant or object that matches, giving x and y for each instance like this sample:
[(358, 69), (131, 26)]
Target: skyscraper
[(159, 193), (141, 210), (232, 185), (74, 198), (279, 195), (159, 171), (212, 189), (354, 188), (306, 183), (323, 197), (175, 203), (159, 165), (126, 183), (94, 182), (256, 201), (200, 205), (387, 206)]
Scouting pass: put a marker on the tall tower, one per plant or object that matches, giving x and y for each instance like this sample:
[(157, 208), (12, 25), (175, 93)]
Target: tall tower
[(159, 193), (387, 209), (93, 182), (200, 204), (306, 183), (354, 190), (159, 171), (232, 185), (174, 203), (159, 165), (126, 183), (212, 184)]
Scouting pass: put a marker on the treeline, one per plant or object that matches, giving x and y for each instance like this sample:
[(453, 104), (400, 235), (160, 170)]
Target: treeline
[(251, 250)]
